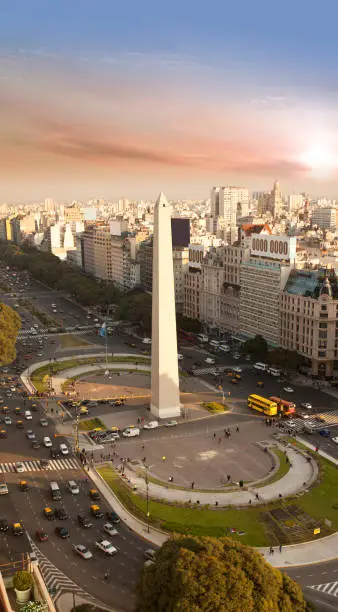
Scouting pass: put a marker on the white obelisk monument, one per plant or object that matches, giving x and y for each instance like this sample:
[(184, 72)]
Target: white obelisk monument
[(165, 394)]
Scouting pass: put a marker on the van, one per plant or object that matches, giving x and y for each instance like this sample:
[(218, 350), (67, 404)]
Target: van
[(274, 372), (73, 487), (224, 348), (260, 367), (55, 491), (3, 488), (131, 432), (202, 338)]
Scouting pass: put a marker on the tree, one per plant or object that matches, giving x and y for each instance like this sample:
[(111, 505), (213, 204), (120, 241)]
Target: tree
[(189, 325), (290, 360), (257, 347), (10, 324), (193, 574), (136, 308)]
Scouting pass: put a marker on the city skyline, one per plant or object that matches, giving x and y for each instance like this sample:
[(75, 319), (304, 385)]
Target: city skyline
[(101, 102)]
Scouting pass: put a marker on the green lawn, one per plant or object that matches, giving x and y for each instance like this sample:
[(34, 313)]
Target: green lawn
[(214, 407), (282, 469), (189, 520), (90, 424), (68, 341), (320, 502)]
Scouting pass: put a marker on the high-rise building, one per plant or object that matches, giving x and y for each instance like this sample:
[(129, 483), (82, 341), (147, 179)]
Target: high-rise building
[(325, 218), (229, 203), (165, 396), (295, 202)]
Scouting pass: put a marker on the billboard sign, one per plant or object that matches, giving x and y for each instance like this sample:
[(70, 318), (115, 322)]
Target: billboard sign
[(274, 247), (196, 255)]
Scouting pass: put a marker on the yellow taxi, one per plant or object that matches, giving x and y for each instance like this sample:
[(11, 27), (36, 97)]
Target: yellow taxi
[(3, 433), (49, 513), (260, 383), (5, 410), (94, 494), (19, 424), (23, 486), (17, 410), (17, 529), (96, 511), (84, 410)]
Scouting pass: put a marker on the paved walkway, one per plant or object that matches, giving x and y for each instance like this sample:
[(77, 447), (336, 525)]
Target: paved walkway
[(318, 551), (60, 379), (302, 474)]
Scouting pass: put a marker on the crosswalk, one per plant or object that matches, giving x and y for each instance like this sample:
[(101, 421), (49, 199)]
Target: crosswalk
[(329, 588), (328, 418), (35, 466), (56, 581)]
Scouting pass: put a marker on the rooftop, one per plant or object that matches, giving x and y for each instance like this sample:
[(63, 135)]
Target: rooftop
[(310, 283)]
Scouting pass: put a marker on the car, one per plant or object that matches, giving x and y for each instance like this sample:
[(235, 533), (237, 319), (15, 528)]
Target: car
[(34, 407), (82, 551), (62, 532), (19, 466), (288, 389), (61, 514), (28, 415), (64, 450), (146, 341), (237, 356), (84, 410), (47, 442), (23, 486), (36, 444), (41, 535), (260, 384), (96, 511), (237, 370), (3, 488), (73, 487), (3, 433), (325, 433), (180, 356), (19, 425), (110, 529), (117, 403), (151, 425), (148, 563), (17, 529), (150, 554), (43, 422), (7, 420), (83, 521), (113, 517), (49, 513), (54, 453), (209, 360), (171, 423), (106, 546), (3, 525), (30, 435), (94, 494), (306, 405), (335, 440)]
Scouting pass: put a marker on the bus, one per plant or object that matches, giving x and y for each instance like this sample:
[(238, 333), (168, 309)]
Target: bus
[(284, 407), (260, 367), (186, 335), (262, 404)]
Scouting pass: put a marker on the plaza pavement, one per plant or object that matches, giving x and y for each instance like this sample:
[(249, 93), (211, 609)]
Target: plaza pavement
[(307, 553)]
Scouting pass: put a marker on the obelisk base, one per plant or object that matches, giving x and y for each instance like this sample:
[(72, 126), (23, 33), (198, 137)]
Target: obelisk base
[(165, 413)]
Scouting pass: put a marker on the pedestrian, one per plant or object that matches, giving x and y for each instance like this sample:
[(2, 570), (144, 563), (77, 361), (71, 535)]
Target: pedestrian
[(106, 576), (225, 432), (229, 477), (214, 436), (237, 428), (257, 496), (279, 495), (192, 485), (280, 548), (271, 550)]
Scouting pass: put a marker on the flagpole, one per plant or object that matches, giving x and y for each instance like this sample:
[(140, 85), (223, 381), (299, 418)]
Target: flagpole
[(106, 344)]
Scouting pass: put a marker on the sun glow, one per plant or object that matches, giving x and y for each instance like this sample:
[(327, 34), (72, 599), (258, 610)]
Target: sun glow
[(320, 159)]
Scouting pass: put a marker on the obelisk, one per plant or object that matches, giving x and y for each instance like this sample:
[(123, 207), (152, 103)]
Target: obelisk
[(165, 394)]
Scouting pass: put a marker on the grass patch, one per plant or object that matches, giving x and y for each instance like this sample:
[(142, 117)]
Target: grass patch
[(183, 519), (283, 469), (68, 341), (214, 407), (89, 424), (321, 500)]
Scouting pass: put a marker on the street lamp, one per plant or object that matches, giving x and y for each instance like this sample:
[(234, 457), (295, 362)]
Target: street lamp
[(147, 497)]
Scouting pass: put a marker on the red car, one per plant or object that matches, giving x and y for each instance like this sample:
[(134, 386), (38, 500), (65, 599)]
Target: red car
[(41, 535)]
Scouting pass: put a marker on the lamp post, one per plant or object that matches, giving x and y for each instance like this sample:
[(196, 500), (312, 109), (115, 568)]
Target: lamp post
[(147, 497)]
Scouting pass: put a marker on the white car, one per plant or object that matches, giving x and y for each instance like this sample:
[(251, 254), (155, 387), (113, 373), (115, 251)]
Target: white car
[(288, 389), (82, 551), (306, 405), (106, 546), (64, 449), (146, 341), (179, 356), (171, 423), (236, 356), (110, 529), (151, 425), (28, 415), (19, 466), (335, 440), (237, 369), (210, 360), (7, 420), (47, 442)]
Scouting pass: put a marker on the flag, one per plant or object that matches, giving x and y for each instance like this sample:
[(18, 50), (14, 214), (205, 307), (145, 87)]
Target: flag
[(103, 330)]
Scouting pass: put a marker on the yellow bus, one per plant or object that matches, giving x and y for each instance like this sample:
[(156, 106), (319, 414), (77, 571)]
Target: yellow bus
[(262, 404)]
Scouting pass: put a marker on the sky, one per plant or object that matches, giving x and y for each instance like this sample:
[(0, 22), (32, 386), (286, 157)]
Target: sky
[(109, 99)]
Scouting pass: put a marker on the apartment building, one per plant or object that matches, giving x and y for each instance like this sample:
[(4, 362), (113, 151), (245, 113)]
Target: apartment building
[(309, 318), (325, 218), (262, 279)]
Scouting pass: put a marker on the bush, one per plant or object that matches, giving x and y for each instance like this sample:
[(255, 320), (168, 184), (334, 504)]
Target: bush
[(22, 581), (33, 606), (214, 407)]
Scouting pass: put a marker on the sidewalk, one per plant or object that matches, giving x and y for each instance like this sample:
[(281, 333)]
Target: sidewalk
[(302, 474), (307, 553)]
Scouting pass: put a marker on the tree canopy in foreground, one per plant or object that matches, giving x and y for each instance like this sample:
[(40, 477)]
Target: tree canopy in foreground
[(10, 324), (193, 574)]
